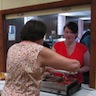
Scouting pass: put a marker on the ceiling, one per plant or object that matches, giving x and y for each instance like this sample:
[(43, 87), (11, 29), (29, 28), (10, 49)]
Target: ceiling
[(84, 15)]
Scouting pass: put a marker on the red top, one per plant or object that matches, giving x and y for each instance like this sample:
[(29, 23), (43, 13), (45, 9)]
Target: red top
[(77, 54)]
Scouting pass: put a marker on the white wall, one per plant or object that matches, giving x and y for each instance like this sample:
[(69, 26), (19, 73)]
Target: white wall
[(8, 4), (0, 4), (49, 11)]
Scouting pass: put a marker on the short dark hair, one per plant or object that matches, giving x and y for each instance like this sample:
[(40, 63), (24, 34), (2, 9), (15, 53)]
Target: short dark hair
[(33, 30), (72, 26)]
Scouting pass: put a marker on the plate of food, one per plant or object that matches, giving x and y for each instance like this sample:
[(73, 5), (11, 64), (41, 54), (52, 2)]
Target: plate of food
[(66, 72)]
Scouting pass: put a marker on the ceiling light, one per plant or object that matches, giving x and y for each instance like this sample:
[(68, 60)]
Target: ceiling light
[(85, 18), (66, 14)]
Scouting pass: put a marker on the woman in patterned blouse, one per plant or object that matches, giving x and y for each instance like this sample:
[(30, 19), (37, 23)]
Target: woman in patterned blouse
[(27, 59)]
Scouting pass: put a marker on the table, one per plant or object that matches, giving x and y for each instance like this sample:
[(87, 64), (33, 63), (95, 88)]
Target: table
[(84, 91)]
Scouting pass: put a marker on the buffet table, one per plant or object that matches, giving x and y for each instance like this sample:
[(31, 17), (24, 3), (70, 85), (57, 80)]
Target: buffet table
[(84, 91)]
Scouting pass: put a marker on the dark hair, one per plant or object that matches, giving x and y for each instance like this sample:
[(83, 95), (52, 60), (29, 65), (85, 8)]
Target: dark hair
[(33, 30), (72, 26)]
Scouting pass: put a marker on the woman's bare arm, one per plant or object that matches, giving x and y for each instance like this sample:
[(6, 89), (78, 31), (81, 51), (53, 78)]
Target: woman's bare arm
[(86, 63), (53, 59)]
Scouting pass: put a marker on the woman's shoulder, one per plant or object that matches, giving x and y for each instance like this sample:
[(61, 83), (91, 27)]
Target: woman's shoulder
[(30, 46), (36, 46), (13, 46), (81, 46), (59, 43)]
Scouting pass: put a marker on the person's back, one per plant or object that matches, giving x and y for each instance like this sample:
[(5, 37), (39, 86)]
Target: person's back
[(25, 73)]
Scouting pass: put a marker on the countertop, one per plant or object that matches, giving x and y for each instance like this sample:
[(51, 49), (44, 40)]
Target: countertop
[(84, 91)]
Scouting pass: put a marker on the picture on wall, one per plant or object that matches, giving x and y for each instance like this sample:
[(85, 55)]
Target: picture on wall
[(12, 33)]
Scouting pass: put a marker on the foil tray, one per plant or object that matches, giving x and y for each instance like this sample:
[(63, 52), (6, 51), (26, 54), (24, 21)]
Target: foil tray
[(59, 88)]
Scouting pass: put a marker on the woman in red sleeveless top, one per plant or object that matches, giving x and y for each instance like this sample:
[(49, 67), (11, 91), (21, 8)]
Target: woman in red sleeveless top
[(72, 49)]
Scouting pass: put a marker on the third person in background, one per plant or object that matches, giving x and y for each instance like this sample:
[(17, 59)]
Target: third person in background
[(85, 39)]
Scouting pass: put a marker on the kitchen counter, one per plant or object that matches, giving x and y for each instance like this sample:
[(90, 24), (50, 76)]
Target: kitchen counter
[(84, 91)]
